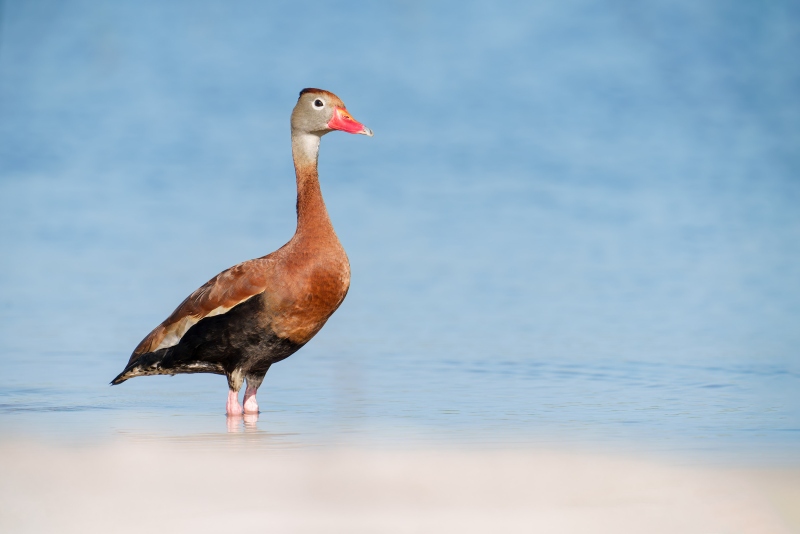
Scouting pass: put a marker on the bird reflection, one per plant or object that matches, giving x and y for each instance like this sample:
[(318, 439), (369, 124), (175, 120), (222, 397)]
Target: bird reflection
[(242, 423)]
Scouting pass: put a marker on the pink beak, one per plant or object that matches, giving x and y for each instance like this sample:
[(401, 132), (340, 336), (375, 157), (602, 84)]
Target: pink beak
[(342, 120)]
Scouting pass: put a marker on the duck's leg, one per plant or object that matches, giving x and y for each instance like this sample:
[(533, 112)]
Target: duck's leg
[(233, 407), (235, 380), (250, 402), (254, 379)]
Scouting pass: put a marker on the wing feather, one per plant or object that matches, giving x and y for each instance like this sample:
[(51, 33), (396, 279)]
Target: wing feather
[(220, 294)]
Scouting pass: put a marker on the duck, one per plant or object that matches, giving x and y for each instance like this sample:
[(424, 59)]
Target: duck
[(263, 310)]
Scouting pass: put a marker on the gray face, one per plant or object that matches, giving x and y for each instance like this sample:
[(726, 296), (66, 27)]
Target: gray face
[(313, 112)]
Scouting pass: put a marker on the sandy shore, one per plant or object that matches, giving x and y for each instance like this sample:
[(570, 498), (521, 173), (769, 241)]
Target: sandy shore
[(134, 487)]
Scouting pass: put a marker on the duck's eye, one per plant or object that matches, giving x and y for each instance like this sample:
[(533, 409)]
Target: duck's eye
[(319, 104)]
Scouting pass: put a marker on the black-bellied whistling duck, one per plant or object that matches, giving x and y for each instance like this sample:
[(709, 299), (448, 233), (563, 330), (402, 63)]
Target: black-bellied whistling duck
[(262, 311)]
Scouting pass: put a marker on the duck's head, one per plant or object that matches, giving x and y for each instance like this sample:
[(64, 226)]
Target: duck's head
[(319, 112)]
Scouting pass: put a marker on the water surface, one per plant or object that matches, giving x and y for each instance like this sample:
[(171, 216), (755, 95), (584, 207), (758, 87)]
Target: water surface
[(577, 223)]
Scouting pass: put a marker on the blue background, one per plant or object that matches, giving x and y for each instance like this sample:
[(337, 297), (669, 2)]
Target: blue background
[(577, 221)]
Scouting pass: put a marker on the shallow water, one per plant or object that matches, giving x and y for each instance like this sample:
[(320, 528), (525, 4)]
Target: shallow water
[(577, 223)]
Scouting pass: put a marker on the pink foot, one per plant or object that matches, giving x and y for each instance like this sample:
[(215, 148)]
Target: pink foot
[(250, 403), (233, 407)]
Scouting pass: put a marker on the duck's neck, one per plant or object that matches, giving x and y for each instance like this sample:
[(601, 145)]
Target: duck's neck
[(312, 216)]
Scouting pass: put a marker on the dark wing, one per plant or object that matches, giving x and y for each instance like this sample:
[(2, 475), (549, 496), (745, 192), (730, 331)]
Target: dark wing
[(229, 288)]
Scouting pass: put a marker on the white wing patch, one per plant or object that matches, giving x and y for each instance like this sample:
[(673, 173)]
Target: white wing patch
[(176, 332), (179, 329)]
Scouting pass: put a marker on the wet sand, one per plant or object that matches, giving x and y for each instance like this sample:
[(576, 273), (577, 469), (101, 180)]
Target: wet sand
[(130, 486)]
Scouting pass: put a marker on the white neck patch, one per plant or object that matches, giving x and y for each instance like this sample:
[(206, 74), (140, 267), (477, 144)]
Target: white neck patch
[(305, 147)]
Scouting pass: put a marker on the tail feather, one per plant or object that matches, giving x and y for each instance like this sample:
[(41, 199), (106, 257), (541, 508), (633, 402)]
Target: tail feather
[(140, 365), (160, 362)]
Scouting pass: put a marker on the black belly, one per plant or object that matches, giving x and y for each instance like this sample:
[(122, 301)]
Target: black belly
[(222, 343)]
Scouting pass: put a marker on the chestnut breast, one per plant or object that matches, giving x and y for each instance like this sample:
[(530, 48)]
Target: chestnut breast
[(309, 284)]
